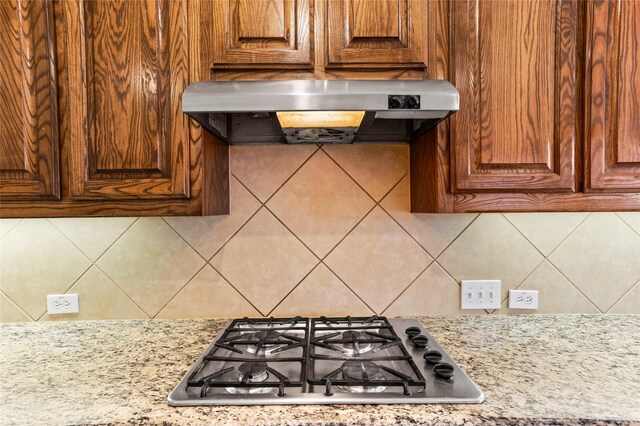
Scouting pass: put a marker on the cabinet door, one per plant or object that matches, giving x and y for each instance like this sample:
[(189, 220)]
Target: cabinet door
[(28, 109), (375, 34), (260, 33), (613, 96), (127, 67), (515, 68)]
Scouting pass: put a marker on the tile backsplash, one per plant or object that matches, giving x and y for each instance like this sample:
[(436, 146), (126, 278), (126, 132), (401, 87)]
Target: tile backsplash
[(316, 231)]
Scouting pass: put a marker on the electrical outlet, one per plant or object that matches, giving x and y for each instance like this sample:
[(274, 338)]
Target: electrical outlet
[(480, 294), (62, 304), (523, 299)]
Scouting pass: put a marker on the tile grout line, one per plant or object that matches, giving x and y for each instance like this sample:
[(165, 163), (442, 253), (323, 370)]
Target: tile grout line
[(614, 304), (524, 236), (471, 222), (69, 287), (349, 287), (179, 290), (183, 239), (238, 291), (616, 213), (122, 291), (17, 306), (576, 287), (407, 287), (567, 237), (11, 230), (294, 287)]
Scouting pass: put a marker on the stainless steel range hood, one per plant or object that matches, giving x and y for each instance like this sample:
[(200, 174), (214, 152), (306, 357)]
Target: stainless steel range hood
[(319, 111)]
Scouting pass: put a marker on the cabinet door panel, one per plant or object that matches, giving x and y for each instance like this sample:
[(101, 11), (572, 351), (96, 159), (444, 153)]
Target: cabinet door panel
[(28, 109), (515, 69), (381, 33), (613, 100), (261, 33), (127, 65)]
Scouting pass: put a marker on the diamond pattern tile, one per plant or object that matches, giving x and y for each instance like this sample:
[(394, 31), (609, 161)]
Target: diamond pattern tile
[(378, 260), (632, 219), (433, 293), (329, 296), (208, 295), (320, 204), (490, 248), (264, 261), (434, 232), (557, 295), (10, 312), (150, 263), (376, 167), (92, 235), (7, 225), (629, 304), (546, 230), (36, 260), (263, 169), (601, 258), (99, 298), (207, 234)]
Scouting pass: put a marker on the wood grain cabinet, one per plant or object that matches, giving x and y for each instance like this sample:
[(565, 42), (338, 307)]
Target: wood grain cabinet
[(515, 66), (29, 144), (375, 34), (613, 97)]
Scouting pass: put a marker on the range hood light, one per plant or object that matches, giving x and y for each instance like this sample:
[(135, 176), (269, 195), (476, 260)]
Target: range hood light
[(319, 119)]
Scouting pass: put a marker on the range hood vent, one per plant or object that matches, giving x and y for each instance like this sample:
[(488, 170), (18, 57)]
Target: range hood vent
[(319, 111)]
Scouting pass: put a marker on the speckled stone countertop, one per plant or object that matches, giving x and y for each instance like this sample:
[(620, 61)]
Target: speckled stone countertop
[(537, 369)]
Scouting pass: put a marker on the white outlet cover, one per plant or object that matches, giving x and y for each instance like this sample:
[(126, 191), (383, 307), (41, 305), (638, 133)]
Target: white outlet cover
[(480, 294), (523, 299), (62, 304)]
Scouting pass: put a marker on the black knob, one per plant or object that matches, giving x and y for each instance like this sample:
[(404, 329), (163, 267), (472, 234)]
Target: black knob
[(443, 370), (395, 102), (432, 357), (413, 102), (421, 341), (412, 331)]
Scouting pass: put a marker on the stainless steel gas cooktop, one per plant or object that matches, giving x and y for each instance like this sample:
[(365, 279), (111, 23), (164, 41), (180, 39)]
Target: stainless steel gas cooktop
[(324, 361)]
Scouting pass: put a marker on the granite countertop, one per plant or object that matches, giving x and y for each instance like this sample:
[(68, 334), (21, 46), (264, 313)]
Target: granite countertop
[(535, 369)]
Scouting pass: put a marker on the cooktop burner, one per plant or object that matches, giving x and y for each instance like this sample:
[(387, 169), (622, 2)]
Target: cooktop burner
[(346, 360)]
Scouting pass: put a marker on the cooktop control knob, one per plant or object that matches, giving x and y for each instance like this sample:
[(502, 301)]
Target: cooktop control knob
[(443, 370), (432, 357), (420, 341), (412, 331)]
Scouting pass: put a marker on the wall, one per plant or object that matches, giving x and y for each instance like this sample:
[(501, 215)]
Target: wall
[(316, 231)]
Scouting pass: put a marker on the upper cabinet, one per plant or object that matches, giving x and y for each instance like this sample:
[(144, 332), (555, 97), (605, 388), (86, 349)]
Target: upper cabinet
[(515, 66), (375, 34), (260, 33), (29, 114), (613, 96), (127, 68)]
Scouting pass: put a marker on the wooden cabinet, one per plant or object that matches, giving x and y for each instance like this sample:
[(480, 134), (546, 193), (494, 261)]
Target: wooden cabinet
[(515, 66), (28, 107), (613, 96), (375, 34), (127, 68)]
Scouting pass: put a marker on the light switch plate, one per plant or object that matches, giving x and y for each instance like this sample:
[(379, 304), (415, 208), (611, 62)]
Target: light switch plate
[(523, 299), (480, 294), (62, 304)]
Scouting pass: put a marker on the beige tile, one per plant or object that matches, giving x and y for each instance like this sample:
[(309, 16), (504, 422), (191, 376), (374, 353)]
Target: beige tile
[(10, 312), (546, 230), (7, 225), (320, 204), (265, 168), (92, 235), (36, 260), (208, 295), (629, 304), (321, 293), (208, 233), (433, 293), (376, 167), (632, 219), (99, 299), (602, 258), (378, 260), (490, 248), (434, 232), (264, 261), (556, 294), (150, 263)]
